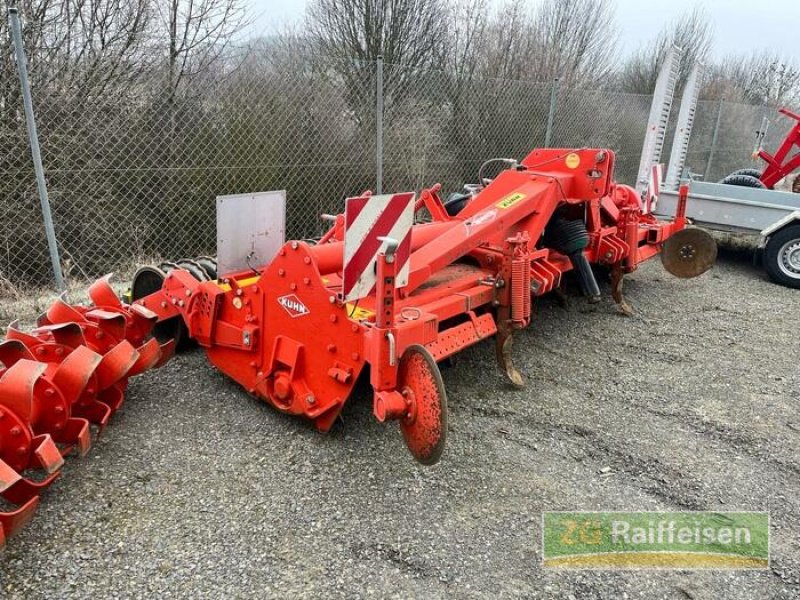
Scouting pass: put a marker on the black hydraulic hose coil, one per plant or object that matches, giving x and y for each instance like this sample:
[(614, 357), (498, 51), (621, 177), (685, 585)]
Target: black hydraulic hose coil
[(570, 237)]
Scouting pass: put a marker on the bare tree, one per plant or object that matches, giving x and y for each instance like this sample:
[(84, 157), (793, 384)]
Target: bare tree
[(349, 35), (759, 78), (466, 35), (197, 33), (692, 33), (78, 48), (574, 41)]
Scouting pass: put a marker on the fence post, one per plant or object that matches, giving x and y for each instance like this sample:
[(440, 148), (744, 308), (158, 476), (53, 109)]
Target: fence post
[(551, 116), (714, 137), (379, 125), (22, 70)]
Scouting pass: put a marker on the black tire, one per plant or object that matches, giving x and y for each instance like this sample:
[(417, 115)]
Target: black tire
[(749, 172), (781, 257), (743, 181)]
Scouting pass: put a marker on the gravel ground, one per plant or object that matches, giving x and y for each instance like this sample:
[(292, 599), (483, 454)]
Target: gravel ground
[(198, 490)]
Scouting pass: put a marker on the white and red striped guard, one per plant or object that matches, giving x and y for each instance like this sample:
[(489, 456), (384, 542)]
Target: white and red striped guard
[(366, 219)]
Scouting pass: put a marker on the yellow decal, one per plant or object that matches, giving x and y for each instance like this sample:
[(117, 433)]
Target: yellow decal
[(510, 200), (357, 313), (242, 283), (573, 160)]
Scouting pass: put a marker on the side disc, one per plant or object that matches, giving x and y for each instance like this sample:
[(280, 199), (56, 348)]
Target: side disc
[(425, 429), (689, 253)]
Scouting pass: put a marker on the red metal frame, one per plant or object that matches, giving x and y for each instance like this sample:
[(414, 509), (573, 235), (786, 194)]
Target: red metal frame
[(288, 338), (781, 164)]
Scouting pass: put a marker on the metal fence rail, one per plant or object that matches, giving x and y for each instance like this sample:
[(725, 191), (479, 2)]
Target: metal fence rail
[(133, 172)]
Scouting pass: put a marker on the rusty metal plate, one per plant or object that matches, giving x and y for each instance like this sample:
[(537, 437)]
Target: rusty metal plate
[(689, 253)]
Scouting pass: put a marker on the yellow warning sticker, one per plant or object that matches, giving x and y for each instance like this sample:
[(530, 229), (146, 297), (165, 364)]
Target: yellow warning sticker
[(225, 287), (357, 313), (510, 200), (573, 160)]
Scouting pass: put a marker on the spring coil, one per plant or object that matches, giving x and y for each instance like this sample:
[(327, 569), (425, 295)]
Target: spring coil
[(520, 291)]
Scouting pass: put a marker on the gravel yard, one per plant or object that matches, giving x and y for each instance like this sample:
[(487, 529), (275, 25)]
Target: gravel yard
[(198, 490)]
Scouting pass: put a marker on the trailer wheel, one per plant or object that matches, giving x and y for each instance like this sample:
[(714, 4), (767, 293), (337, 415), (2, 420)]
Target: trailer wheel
[(743, 181), (781, 256), (750, 172)]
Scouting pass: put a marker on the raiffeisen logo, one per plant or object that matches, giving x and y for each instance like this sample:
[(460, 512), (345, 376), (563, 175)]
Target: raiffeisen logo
[(293, 306), (660, 540)]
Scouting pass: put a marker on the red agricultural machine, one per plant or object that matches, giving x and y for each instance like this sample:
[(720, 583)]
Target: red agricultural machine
[(779, 166), (377, 293)]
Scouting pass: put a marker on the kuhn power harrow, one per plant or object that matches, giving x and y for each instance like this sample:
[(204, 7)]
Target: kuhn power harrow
[(297, 326)]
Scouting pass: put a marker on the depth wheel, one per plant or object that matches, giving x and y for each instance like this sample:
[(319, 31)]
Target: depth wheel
[(425, 428), (689, 253)]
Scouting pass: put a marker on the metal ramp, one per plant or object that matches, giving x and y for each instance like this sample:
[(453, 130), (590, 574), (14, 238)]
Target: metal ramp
[(683, 131), (659, 117)]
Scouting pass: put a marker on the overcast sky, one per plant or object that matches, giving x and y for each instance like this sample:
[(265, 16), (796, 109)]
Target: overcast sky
[(739, 25)]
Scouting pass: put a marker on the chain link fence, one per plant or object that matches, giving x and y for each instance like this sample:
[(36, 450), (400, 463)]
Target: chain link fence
[(133, 172)]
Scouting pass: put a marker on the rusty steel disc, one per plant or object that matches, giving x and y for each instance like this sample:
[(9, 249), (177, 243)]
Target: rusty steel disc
[(689, 253), (425, 428)]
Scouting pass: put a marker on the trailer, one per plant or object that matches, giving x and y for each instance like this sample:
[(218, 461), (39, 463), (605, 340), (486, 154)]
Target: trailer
[(772, 215)]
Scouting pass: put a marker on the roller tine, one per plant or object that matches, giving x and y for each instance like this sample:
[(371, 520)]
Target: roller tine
[(68, 334), (13, 521), (61, 312), (95, 412), (46, 454), (167, 352), (8, 477), (23, 489), (14, 350), (113, 397), (149, 355), (111, 323), (16, 386), (75, 434), (26, 489), (102, 294), (15, 333), (504, 341), (144, 319), (115, 364), (74, 373)]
